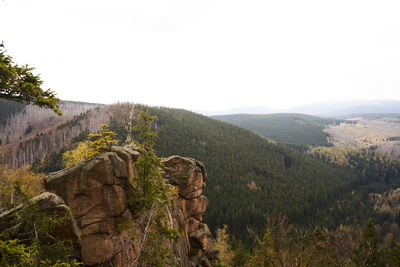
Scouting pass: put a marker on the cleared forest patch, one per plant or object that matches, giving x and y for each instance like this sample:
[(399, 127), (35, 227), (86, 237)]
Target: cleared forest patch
[(378, 134)]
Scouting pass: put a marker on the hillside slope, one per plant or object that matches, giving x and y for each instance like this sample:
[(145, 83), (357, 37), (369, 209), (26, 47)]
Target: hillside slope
[(287, 128), (249, 175), (30, 133)]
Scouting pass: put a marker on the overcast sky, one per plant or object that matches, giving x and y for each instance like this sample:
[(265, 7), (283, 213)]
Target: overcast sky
[(208, 54)]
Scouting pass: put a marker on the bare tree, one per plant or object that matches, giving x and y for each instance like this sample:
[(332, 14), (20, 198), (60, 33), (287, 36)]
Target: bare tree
[(123, 115)]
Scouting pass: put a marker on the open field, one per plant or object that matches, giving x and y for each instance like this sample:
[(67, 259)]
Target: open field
[(380, 134)]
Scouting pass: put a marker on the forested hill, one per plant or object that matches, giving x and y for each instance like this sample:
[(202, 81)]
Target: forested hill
[(8, 108), (249, 176), (287, 128), (29, 132)]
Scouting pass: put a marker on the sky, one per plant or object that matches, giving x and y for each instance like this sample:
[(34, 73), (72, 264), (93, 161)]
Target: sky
[(208, 54)]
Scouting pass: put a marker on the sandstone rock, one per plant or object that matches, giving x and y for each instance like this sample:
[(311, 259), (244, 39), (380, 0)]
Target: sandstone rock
[(193, 224), (196, 207), (129, 155), (187, 174), (53, 204), (119, 166), (106, 226), (190, 177), (115, 199), (98, 248), (95, 173), (98, 192), (199, 238), (50, 204), (63, 182)]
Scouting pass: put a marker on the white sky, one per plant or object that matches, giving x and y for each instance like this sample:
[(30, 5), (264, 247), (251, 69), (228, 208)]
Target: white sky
[(208, 54)]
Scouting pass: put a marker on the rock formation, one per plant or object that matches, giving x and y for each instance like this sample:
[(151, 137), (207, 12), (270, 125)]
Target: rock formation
[(97, 192), (49, 203)]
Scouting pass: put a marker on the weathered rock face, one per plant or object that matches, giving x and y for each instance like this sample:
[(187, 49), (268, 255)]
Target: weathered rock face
[(51, 204), (97, 192), (189, 176)]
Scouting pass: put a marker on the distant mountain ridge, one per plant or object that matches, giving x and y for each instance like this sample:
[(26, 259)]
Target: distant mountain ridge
[(240, 110), (340, 109), (333, 109)]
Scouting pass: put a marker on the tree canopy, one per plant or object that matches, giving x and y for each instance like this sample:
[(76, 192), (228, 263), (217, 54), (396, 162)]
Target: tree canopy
[(18, 83)]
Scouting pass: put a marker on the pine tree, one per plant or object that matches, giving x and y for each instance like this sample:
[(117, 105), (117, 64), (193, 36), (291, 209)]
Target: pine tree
[(37, 247), (101, 143), (367, 252), (152, 199), (226, 254), (80, 153), (18, 83)]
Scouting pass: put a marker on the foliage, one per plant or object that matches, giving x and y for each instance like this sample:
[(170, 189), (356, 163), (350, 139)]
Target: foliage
[(15, 254), (50, 163), (377, 173), (366, 251), (287, 128), (310, 191), (80, 153), (18, 83), (12, 253), (28, 240), (75, 121), (152, 198), (101, 143), (392, 254), (389, 201), (241, 254), (30, 183), (285, 245), (226, 255)]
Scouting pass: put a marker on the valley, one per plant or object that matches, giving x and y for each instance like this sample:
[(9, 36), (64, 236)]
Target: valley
[(235, 158), (379, 132), (193, 133), (316, 171)]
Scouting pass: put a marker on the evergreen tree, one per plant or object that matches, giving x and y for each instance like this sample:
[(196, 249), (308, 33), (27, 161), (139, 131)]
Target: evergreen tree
[(366, 253), (37, 246), (226, 255), (100, 143), (80, 153), (152, 199), (18, 83)]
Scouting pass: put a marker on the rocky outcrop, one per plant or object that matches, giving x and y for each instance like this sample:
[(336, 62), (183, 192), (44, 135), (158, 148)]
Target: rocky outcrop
[(97, 193), (51, 204), (189, 176)]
